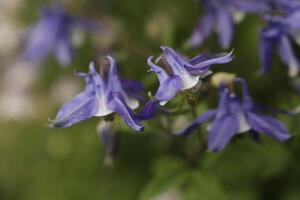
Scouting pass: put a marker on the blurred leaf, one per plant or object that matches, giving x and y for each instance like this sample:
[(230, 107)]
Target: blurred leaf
[(204, 186), (168, 173)]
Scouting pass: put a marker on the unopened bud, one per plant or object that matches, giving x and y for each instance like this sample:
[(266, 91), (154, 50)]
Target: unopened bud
[(222, 77)]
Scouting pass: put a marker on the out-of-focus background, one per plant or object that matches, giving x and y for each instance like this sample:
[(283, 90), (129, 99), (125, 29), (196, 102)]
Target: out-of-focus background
[(39, 163)]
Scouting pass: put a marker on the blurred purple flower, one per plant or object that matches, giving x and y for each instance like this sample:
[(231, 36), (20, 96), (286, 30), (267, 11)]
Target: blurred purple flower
[(101, 97), (285, 5), (108, 138), (279, 33), (180, 74), (235, 116), (52, 34), (220, 15)]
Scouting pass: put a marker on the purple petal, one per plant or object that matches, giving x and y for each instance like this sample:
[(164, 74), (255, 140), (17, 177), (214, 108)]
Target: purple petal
[(202, 30), (160, 73), (293, 19), (64, 51), (149, 110), (252, 6), (201, 63), (226, 123), (288, 56), (168, 85), (178, 64), (268, 125), (81, 107), (202, 118), (225, 27), (168, 89), (52, 29), (224, 106), (133, 88), (113, 79), (222, 130), (109, 139), (247, 100), (118, 104), (266, 50), (114, 84)]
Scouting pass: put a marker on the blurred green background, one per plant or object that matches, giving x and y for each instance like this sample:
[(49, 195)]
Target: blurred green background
[(39, 163)]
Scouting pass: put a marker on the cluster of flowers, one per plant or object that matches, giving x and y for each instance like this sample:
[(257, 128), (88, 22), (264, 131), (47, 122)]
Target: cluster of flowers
[(280, 27), (105, 93)]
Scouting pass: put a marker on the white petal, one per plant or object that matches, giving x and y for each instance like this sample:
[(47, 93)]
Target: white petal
[(102, 106), (244, 126), (188, 80)]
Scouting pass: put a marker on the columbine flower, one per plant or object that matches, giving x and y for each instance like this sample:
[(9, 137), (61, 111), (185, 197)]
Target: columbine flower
[(220, 15), (180, 74), (108, 138), (278, 34), (235, 116), (101, 97), (52, 34)]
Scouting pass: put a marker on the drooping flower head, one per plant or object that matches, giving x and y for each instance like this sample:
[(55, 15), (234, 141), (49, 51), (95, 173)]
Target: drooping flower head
[(179, 74), (103, 95), (108, 138), (280, 32), (52, 35), (220, 16), (234, 116)]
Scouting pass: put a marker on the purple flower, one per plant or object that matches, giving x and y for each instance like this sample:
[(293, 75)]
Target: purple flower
[(180, 74), (279, 34), (235, 116), (101, 97), (220, 16), (285, 5), (52, 34), (108, 138)]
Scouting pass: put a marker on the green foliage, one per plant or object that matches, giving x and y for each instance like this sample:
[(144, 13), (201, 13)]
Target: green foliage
[(168, 173), (38, 163)]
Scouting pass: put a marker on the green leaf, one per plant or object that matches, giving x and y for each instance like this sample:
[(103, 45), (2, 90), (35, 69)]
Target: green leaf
[(168, 174), (204, 186)]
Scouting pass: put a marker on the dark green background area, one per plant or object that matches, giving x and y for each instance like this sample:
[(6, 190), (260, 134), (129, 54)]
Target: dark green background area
[(39, 163)]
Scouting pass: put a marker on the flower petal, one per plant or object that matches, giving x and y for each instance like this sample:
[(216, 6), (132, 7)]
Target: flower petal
[(225, 27), (168, 85), (133, 88), (201, 63), (288, 56), (266, 50), (247, 100), (101, 92), (202, 31), (177, 63), (252, 6), (118, 104), (79, 108), (222, 130), (115, 85), (64, 51), (160, 73), (268, 125), (168, 89), (109, 139), (202, 118), (149, 110)]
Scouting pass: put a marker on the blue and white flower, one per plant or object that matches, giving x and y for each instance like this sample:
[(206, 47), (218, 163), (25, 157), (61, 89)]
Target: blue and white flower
[(220, 16), (179, 74), (52, 35), (235, 116), (278, 35), (102, 96)]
